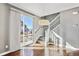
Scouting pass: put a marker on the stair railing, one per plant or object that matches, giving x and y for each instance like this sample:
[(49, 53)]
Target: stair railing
[(37, 34), (47, 34)]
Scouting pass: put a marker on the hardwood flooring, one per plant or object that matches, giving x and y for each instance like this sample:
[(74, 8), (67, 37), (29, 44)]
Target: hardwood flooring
[(15, 53), (40, 51)]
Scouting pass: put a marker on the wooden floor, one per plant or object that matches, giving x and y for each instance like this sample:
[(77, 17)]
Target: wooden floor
[(30, 52), (39, 50), (16, 53)]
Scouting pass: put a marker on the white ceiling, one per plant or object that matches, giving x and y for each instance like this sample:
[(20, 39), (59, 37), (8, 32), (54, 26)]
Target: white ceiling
[(42, 9)]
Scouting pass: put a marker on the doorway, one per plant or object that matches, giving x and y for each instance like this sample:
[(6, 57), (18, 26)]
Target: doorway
[(26, 30)]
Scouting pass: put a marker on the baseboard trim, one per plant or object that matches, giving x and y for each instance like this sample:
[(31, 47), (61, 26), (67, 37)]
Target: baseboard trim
[(7, 52)]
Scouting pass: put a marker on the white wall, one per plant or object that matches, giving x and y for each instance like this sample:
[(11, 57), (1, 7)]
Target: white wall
[(4, 27), (70, 27)]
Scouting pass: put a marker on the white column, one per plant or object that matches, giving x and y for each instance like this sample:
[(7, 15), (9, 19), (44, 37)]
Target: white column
[(47, 33), (14, 31), (46, 39)]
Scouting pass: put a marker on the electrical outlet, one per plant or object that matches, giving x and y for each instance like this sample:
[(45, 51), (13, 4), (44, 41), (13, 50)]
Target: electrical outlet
[(6, 46)]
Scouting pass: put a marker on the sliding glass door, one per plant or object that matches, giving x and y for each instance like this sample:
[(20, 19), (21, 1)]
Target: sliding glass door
[(26, 30)]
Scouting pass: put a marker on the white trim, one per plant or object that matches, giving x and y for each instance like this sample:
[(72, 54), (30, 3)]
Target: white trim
[(4, 53), (68, 46)]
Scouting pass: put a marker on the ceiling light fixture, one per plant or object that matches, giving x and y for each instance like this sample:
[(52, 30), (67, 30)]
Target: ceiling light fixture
[(75, 12)]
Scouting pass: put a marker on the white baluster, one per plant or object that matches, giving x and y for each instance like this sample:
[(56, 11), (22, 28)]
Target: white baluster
[(46, 41)]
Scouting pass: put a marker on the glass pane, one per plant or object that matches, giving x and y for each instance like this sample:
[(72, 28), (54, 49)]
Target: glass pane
[(26, 29)]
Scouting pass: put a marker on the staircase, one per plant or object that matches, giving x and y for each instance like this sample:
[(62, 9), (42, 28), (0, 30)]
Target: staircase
[(38, 34), (53, 35)]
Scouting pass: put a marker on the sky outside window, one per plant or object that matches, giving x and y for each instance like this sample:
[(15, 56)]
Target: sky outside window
[(28, 21)]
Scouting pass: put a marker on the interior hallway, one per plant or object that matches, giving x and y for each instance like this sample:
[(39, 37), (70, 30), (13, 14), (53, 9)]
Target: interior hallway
[(58, 30)]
